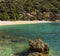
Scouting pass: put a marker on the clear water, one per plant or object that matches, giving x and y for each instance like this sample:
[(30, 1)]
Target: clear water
[(48, 32)]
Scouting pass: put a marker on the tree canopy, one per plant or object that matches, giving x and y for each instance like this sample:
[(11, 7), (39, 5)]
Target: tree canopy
[(29, 9)]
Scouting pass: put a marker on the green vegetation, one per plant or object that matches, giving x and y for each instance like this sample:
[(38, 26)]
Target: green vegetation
[(30, 10)]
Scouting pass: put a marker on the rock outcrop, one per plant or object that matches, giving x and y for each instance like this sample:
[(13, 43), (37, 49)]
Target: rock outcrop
[(38, 48)]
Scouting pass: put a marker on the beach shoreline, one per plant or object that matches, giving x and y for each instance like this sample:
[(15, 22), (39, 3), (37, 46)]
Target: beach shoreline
[(3, 23)]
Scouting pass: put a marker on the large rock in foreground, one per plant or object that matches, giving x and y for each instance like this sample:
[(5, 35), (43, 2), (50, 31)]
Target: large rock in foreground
[(38, 48)]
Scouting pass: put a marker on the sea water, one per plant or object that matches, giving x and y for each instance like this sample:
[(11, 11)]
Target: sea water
[(48, 32)]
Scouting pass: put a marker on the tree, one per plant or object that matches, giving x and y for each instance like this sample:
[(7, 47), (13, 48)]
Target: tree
[(6, 16), (1, 16)]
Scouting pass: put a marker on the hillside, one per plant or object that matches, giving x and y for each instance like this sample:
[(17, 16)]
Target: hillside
[(30, 10)]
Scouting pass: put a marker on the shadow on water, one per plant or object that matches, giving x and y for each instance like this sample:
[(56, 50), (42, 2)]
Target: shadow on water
[(24, 53)]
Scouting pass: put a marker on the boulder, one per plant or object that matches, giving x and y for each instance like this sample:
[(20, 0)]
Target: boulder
[(38, 46)]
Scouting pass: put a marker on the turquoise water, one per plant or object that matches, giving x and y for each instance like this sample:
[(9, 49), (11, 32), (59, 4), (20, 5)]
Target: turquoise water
[(48, 32)]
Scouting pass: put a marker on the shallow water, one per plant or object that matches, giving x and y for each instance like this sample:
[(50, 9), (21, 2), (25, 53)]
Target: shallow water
[(48, 32)]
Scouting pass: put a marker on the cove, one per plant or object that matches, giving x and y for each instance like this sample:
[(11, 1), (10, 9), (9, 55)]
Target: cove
[(48, 32)]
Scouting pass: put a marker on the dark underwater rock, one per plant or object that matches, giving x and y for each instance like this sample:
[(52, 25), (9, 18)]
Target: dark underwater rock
[(16, 40)]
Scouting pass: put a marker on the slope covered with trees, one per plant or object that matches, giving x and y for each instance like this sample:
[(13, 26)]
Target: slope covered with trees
[(30, 10)]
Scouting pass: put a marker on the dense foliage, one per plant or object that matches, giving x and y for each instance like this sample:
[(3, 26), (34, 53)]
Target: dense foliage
[(30, 10)]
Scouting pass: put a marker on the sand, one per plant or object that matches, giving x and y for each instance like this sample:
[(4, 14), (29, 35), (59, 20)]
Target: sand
[(2, 23)]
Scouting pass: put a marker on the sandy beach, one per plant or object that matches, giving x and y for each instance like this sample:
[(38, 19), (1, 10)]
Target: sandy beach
[(2, 23)]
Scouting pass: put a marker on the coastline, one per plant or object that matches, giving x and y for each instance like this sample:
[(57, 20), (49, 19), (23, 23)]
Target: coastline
[(3, 23)]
